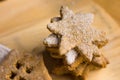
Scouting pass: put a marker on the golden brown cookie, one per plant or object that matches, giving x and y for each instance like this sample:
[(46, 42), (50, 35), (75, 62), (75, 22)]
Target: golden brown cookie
[(100, 61), (76, 43), (83, 73), (54, 52), (79, 70), (75, 64), (76, 30), (23, 66), (61, 70), (52, 49)]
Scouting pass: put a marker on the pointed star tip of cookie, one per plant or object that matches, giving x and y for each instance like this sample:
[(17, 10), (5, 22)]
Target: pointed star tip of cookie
[(89, 59), (65, 10), (64, 7), (49, 26)]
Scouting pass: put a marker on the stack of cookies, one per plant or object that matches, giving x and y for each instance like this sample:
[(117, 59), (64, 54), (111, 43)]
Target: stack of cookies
[(74, 41)]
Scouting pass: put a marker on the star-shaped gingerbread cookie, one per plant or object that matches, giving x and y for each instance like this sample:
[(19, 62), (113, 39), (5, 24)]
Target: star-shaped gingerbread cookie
[(76, 31)]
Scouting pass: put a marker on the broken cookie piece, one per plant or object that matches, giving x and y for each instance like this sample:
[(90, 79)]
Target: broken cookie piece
[(23, 66)]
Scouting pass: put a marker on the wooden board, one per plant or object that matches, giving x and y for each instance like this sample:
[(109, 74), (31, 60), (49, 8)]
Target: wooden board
[(23, 27), (112, 7)]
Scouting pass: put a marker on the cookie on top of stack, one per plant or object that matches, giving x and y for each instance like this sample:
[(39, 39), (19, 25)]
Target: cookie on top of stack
[(76, 43)]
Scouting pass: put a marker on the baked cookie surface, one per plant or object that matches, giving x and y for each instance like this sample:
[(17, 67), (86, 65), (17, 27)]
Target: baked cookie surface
[(23, 66)]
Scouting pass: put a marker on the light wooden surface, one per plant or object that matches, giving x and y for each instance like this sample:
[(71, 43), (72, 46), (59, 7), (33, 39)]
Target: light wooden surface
[(112, 7), (23, 27)]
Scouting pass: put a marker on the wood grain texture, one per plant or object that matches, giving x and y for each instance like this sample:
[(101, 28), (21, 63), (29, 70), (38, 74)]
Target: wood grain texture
[(112, 7), (23, 27)]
